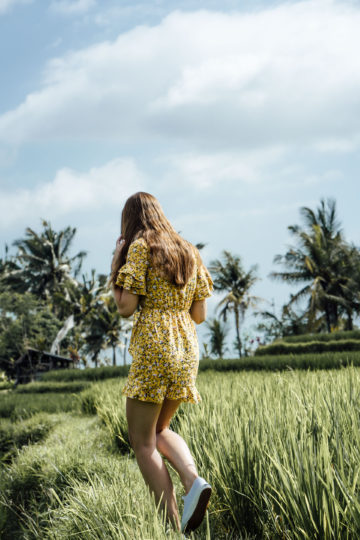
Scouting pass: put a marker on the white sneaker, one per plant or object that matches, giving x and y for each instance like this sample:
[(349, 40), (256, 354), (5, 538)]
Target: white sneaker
[(195, 504)]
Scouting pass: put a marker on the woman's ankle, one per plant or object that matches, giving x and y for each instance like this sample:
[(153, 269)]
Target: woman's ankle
[(189, 482)]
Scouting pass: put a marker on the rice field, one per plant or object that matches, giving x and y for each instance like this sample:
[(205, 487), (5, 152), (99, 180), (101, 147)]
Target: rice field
[(281, 451)]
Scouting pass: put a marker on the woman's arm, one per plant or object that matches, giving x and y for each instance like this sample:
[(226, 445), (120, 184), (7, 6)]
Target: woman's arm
[(126, 301), (198, 311)]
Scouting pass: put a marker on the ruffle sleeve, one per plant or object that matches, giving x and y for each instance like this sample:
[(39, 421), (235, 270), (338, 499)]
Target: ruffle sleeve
[(204, 283), (132, 275)]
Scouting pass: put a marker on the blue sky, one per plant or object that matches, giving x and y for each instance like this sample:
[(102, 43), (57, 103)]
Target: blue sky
[(233, 114)]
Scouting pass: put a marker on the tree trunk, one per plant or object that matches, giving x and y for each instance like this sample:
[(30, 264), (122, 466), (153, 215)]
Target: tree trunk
[(237, 325), (125, 347), (349, 321), (327, 315), (114, 355)]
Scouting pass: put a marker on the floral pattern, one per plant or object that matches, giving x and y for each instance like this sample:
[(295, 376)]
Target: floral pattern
[(163, 343)]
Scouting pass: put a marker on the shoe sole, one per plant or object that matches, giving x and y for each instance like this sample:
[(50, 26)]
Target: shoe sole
[(199, 512)]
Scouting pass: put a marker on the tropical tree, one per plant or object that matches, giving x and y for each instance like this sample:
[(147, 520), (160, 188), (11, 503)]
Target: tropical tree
[(217, 333), (115, 326), (25, 321), (7, 265), (350, 286), (230, 277), (319, 260), (289, 323), (43, 265)]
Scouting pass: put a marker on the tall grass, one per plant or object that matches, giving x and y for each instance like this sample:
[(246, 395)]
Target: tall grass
[(77, 486), (331, 336), (325, 360), (14, 435), (309, 347), (281, 450), (88, 374), (17, 406)]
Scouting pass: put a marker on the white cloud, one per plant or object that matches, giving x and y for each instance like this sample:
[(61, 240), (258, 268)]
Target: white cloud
[(205, 170), (6, 5), (71, 192), (284, 75), (71, 7)]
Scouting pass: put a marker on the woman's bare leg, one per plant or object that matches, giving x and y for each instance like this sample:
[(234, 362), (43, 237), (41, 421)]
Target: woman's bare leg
[(173, 447), (142, 418)]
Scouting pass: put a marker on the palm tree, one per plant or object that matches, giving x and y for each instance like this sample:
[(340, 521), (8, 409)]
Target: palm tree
[(350, 286), (229, 276), (115, 325), (289, 322), (44, 266), (217, 333), (318, 260)]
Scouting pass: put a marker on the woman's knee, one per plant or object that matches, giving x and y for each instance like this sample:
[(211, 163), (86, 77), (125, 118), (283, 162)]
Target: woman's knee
[(141, 444)]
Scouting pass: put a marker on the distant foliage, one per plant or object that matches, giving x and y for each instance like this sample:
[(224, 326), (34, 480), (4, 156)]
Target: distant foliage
[(88, 374), (332, 336), (326, 360), (309, 347)]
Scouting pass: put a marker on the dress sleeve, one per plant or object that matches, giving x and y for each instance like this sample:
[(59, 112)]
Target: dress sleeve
[(132, 275), (204, 283)]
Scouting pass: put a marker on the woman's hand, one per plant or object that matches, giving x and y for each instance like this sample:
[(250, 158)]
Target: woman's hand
[(118, 248)]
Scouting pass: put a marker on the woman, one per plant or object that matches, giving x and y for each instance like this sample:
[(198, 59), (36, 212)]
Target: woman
[(161, 275)]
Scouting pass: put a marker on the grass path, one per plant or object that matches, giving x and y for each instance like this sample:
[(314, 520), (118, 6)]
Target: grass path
[(75, 484)]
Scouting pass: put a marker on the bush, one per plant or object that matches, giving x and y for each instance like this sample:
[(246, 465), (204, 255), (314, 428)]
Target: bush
[(279, 347)]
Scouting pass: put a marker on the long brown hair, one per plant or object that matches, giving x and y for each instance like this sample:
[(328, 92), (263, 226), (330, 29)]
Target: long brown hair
[(172, 255)]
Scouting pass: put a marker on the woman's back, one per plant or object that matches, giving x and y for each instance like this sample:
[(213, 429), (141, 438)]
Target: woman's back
[(156, 291), (163, 341)]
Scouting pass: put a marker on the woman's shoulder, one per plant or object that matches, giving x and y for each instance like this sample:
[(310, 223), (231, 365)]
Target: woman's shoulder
[(139, 242), (139, 250)]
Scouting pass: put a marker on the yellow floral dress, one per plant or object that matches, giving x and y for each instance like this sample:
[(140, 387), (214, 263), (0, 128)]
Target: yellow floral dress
[(163, 343)]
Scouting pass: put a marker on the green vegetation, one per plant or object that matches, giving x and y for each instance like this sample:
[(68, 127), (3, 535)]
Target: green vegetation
[(17, 405), (333, 336), (42, 387), (231, 278), (88, 374), (309, 347), (328, 267), (280, 449), (14, 435)]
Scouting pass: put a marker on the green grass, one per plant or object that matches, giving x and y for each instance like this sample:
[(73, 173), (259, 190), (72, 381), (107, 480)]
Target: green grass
[(330, 360), (52, 386), (309, 347), (15, 435), (331, 336), (281, 450), (325, 360), (77, 486), (88, 374), (16, 406)]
